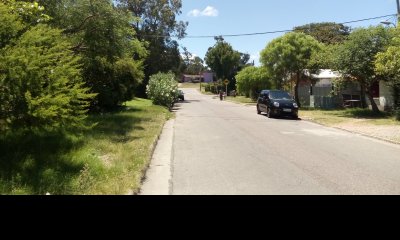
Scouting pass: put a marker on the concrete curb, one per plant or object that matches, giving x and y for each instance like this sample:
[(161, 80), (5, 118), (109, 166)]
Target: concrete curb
[(158, 176)]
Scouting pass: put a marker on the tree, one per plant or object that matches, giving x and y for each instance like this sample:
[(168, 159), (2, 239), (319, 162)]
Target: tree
[(325, 58), (356, 58), (326, 32), (289, 54), (388, 64), (157, 23), (102, 35), (251, 80), (223, 60), (40, 79), (190, 64)]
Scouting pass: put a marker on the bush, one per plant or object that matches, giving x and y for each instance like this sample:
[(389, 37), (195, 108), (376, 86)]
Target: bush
[(40, 82), (397, 114), (163, 89)]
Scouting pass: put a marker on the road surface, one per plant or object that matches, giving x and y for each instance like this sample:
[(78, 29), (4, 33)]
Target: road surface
[(222, 148)]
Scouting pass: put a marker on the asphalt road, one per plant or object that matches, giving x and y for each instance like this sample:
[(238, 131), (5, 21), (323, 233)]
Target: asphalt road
[(227, 149)]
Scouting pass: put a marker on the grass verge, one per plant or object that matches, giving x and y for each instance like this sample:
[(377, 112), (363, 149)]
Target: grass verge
[(241, 99), (334, 117), (109, 159), (189, 85)]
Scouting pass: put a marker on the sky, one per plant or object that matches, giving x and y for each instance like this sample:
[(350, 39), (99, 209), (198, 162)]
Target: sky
[(225, 17)]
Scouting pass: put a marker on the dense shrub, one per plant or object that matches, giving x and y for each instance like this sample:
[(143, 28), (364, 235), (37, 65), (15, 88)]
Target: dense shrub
[(163, 89), (251, 80), (40, 80)]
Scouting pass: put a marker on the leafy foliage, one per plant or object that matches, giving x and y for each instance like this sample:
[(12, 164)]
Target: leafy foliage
[(326, 32), (223, 60), (289, 54), (324, 58), (192, 65), (157, 18), (387, 64), (356, 58), (163, 89), (112, 56), (41, 82), (251, 80)]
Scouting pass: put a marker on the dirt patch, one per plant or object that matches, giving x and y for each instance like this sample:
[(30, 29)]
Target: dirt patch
[(107, 160), (385, 132)]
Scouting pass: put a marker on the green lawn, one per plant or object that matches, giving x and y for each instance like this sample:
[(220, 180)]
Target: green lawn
[(241, 99), (189, 85), (332, 117), (108, 159)]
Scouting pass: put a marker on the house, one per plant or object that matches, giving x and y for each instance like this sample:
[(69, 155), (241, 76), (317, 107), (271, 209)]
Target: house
[(317, 91), (192, 78), (206, 77)]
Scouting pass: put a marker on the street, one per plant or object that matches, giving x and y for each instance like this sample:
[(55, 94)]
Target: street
[(225, 148)]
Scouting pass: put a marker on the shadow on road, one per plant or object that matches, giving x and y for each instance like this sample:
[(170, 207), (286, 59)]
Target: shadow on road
[(284, 118), (177, 106)]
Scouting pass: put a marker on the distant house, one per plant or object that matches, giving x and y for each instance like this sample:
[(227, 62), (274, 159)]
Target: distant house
[(317, 90), (206, 77), (191, 78)]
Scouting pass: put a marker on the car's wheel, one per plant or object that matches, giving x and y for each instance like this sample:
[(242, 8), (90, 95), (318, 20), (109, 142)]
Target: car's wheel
[(258, 110), (269, 113)]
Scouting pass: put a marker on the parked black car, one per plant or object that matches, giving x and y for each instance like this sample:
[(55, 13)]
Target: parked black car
[(277, 103)]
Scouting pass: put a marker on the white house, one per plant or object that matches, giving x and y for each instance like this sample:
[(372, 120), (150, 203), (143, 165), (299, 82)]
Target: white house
[(319, 94)]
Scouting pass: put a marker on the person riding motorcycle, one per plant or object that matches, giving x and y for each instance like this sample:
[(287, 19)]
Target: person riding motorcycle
[(221, 95)]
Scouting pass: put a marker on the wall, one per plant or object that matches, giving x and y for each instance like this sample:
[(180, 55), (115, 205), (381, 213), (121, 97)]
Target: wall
[(386, 97), (208, 77)]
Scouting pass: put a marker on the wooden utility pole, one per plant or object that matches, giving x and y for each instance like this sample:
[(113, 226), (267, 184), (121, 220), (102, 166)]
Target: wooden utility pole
[(398, 11)]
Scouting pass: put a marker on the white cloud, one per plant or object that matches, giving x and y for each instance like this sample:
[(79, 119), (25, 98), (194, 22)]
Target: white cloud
[(209, 11)]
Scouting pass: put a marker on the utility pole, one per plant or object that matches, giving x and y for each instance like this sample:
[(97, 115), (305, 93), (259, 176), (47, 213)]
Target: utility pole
[(398, 11)]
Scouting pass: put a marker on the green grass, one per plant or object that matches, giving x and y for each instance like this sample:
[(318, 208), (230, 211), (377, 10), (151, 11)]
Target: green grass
[(241, 99), (108, 159), (189, 85), (333, 117)]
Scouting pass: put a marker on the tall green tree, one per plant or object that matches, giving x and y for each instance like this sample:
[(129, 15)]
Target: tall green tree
[(287, 55), (157, 24), (252, 80), (326, 32), (112, 55), (388, 65), (325, 58), (192, 65), (223, 60), (40, 77), (356, 58)]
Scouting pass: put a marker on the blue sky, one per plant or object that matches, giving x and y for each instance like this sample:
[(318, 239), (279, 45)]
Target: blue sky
[(219, 17)]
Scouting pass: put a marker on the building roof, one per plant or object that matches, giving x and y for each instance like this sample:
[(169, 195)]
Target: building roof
[(326, 73), (192, 76)]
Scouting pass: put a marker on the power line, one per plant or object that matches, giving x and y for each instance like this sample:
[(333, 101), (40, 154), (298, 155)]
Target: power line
[(261, 33)]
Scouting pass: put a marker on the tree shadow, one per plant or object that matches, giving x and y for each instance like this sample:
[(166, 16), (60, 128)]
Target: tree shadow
[(36, 163), (364, 114), (287, 118), (116, 125)]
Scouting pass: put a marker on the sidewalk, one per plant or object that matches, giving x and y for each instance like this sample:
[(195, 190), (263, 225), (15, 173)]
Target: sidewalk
[(389, 133)]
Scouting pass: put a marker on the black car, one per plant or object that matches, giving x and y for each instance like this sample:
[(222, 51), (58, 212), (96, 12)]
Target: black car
[(277, 103)]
